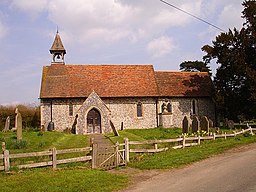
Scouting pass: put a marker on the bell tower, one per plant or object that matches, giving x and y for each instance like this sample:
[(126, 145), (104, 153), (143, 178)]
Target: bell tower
[(57, 50)]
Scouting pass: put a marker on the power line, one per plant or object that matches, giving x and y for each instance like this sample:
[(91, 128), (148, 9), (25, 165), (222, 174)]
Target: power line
[(198, 18)]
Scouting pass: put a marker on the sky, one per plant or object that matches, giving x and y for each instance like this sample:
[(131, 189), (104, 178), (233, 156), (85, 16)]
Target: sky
[(103, 32)]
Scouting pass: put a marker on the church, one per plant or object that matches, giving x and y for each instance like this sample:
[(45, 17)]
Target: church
[(88, 99)]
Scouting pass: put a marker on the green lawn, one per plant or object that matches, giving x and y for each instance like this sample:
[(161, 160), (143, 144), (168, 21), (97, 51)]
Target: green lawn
[(79, 177), (62, 180), (174, 158), (145, 134), (68, 177), (37, 141)]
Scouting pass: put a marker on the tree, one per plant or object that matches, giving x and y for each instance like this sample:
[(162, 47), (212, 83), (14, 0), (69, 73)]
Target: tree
[(194, 66), (235, 81)]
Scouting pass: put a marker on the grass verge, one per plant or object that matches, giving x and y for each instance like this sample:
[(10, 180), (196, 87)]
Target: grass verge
[(181, 157), (62, 180)]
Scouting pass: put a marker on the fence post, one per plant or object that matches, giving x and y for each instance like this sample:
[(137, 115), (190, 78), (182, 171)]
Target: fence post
[(214, 136), (127, 150), (183, 141), (6, 160), (251, 131), (225, 136), (3, 146), (94, 155), (199, 140), (155, 146), (54, 158), (117, 155)]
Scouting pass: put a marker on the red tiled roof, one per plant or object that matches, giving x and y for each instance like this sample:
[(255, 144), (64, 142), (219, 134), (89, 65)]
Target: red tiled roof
[(62, 81), (188, 84)]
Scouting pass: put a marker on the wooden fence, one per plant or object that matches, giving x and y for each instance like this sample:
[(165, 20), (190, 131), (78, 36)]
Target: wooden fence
[(181, 142), (108, 157), (6, 157), (119, 156)]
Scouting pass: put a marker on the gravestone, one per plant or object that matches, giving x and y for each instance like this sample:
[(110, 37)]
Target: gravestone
[(204, 124), (114, 129), (18, 124), (211, 123), (195, 124), (15, 123), (185, 125), (7, 124), (231, 124), (225, 122)]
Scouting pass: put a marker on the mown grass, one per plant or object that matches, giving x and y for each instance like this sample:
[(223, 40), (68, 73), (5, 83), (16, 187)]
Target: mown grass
[(62, 180), (145, 134), (38, 141), (174, 158), (68, 177)]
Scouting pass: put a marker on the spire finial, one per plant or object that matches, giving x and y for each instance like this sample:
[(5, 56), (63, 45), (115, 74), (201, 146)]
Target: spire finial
[(57, 29)]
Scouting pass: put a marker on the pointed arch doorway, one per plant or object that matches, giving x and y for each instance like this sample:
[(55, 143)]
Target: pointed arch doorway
[(94, 121)]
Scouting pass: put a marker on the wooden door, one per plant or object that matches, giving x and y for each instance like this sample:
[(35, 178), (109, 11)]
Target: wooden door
[(94, 121)]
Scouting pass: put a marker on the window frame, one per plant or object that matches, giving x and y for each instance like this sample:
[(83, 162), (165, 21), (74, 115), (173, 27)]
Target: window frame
[(71, 109), (139, 110)]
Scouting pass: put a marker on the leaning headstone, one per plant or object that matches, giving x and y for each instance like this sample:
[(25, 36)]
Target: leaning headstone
[(195, 124), (204, 124), (18, 123), (231, 124), (7, 124), (185, 125), (114, 129), (211, 123), (225, 122)]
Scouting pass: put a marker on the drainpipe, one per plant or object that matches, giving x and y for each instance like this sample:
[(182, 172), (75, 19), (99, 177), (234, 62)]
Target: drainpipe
[(157, 112), (51, 124)]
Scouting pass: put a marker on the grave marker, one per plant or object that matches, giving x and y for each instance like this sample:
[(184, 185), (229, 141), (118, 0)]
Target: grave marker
[(204, 124), (195, 124), (185, 125), (7, 124)]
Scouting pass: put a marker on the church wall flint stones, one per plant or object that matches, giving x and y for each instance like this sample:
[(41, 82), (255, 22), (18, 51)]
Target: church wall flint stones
[(85, 98)]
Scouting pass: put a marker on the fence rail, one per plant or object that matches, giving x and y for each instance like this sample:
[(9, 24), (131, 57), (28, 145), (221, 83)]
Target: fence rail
[(121, 151), (181, 142), (51, 153)]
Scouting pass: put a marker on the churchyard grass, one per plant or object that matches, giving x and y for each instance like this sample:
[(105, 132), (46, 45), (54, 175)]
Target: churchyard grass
[(39, 141), (145, 134), (67, 177), (174, 158), (62, 180)]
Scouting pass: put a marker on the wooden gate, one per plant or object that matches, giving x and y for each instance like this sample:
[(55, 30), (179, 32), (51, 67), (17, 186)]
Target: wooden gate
[(109, 157)]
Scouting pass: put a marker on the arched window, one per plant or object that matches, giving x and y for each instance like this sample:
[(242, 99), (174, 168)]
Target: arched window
[(163, 107), (71, 111), (139, 110), (193, 107), (169, 107)]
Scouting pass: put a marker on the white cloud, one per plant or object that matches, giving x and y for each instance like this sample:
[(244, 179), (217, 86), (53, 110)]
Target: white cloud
[(229, 17), (3, 29), (3, 24), (114, 20), (160, 47), (31, 7)]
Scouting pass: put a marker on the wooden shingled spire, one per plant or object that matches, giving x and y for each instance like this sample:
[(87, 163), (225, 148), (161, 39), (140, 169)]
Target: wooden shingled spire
[(57, 50)]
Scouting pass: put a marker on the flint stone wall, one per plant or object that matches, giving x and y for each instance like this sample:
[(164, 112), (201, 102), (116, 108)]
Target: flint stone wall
[(125, 110), (182, 107)]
